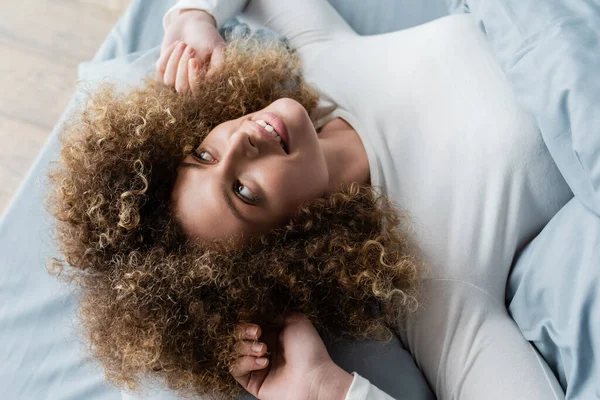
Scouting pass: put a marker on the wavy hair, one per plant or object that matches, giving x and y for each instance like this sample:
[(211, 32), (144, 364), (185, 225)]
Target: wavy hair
[(155, 303)]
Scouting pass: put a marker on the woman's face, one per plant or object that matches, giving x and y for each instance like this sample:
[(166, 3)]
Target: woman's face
[(240, 180)]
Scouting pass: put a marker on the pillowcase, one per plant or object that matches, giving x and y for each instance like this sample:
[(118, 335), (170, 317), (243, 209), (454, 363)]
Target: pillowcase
[(554, 296)]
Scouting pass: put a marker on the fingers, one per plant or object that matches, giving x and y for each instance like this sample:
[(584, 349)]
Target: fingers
[(247, 364), (251, 352), (255, 349), (193, 75), (250, 369), (178, 68), (248, 331), (180, 65), (182, 83), (173, 64), (161, 64)]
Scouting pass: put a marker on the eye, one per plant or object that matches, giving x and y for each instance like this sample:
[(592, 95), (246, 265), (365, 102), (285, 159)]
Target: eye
[(202, 155), (240, 190), (244, 193)]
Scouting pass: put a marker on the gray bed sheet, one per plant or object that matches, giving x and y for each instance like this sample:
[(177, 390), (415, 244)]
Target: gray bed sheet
[(43, 353)]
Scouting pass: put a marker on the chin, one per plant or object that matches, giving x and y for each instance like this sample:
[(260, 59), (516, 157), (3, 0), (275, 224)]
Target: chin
[(290, 110)]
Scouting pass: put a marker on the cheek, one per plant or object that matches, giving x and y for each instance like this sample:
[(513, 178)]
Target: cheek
[(295, 186)]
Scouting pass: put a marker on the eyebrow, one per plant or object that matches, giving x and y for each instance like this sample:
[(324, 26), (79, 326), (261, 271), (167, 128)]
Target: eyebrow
[(226, 197)]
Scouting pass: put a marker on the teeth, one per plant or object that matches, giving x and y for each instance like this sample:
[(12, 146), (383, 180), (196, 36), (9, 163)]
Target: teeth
[(267, 127), (271, 130)]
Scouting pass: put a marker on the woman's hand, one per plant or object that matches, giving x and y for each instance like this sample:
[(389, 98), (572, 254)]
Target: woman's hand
[(299, 366), (191, 45)]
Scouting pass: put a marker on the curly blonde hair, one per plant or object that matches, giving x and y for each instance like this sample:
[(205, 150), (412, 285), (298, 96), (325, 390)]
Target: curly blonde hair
[(155, 303)]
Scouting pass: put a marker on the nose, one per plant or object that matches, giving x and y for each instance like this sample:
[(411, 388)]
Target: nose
[(241, 148)]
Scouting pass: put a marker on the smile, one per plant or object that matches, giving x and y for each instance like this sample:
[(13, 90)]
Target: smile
[(276, 127), (272, 131)]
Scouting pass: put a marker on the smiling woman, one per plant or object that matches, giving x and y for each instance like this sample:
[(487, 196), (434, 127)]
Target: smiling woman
[(246, 182), (147, 180)]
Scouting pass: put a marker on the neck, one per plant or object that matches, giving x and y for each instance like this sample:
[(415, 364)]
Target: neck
[(345, 155)]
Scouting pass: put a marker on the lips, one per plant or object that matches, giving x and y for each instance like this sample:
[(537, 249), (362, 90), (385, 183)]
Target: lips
[(278, 124), (268, 136)]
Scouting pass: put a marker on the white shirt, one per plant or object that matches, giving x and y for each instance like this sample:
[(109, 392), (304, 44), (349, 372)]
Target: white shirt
[(447, 142)]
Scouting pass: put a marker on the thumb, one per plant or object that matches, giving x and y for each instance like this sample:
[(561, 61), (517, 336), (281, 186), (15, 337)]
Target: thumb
[(256, 380), (296, 317)]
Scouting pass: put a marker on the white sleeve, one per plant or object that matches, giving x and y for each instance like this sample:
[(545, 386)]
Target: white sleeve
[(469, 348), (221, 10), (307, 24), (362, 389), (304, 23)]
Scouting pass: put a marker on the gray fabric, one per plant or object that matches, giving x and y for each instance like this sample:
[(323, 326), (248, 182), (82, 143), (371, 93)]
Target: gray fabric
[(379, 16), (42, 353), (387, 366)]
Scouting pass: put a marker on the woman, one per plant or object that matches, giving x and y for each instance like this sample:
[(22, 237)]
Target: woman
[(160, 296), (463, 339)]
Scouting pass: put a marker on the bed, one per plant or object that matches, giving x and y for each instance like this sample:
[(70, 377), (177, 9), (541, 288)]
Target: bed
[(550, 54), (43, 353)]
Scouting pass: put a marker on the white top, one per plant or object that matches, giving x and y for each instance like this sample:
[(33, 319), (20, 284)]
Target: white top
[(447, 141)]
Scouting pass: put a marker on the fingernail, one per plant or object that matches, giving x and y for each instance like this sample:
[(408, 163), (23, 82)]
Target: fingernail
[(251, 330), (261, 361), (257, 347)]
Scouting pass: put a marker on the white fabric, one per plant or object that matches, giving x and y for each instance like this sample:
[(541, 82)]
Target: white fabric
[(447, 142), (362, 389), (220, 10)]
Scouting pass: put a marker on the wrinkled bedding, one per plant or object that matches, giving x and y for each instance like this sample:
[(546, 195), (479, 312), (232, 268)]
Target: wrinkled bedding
[(550, 53)]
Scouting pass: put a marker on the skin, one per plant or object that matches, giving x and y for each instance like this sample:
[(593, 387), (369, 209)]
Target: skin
[(198, 47), (238, 157), (299, 372), (270, 185), (235, 151)]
